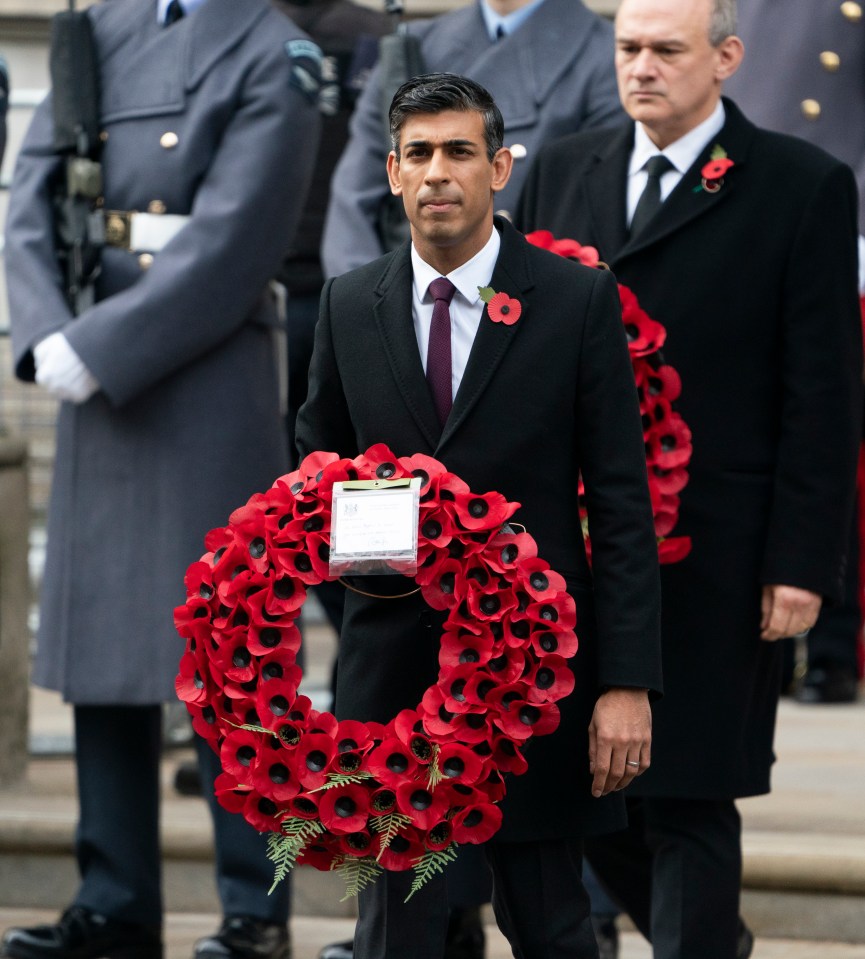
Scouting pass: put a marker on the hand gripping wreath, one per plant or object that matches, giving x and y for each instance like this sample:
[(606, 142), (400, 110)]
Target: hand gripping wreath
[(354, 796)]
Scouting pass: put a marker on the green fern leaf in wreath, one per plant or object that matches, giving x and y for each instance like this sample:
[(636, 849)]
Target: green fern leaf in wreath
[(429, 865), (387, 826), (342, 779), (284, 848), (357, 873), (435, 775)]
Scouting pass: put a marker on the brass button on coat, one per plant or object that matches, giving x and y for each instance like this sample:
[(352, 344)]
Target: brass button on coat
[(145, 261), (169, 140), (156, 206), (830, 60), (852, 11), (811, 109)]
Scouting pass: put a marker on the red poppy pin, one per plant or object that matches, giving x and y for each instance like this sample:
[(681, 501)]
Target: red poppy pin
[(501, 307), (712, 174)]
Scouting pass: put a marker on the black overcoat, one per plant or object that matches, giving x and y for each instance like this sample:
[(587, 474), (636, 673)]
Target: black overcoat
[(756, 285), (540, 400)]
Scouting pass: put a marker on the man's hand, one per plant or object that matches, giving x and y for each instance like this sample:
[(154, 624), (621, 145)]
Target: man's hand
[(620, 739), (787, 610)]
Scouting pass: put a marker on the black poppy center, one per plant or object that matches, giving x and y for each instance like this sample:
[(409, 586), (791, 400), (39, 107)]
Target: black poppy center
[(529, 715), (241, 657), (279, 774), (454, 766), (478, 507), (397, 762), (420, 799), (256, 548), (344, 807), (316, 761), (474, 818), (245, 755), (279, 705)]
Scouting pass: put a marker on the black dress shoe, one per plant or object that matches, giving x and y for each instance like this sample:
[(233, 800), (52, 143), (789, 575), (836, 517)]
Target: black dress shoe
[(82, 934), (607, 936), (828, 683), (240, 937), (187, 779), (338, 950)]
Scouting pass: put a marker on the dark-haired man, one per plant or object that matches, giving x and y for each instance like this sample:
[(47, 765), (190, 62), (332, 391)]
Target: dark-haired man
[(523, 409), (743, 244)]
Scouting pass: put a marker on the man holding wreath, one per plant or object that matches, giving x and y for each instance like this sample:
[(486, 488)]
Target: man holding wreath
[(408, 354)]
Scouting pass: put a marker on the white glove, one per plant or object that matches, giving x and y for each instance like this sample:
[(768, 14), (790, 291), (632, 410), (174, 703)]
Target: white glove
[(60, 371)]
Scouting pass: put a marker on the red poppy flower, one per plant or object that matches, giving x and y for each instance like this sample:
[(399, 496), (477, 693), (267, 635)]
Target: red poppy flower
[(445, 590), (191, 685), (229, 794), (508, 756), (587, 255), (321, 722), (476, 824), (275, 777), (489, 511), (459, 764), (491, 606), (460, 645), (391, 762), (552, 679), (401, 853), (507, 549), (425, 806), (439, 836), (674, 549), (561, 610), (239, 754), (643, 333), (715, 169), (273, 699), (319, 854), (504, 309), (551, 638), (437, 720), (344, 809), (262, 813), (541, 582), (358, 844), (518, 718), (305, 806), (314, 757)]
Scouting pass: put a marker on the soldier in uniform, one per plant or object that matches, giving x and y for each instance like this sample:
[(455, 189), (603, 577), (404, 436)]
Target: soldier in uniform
[(817, 93), (549, 65), (169, 419)]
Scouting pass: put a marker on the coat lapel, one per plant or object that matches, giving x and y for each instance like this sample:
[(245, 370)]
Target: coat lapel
[(393, 317), (605, 194), (512, 276), (687, 202)]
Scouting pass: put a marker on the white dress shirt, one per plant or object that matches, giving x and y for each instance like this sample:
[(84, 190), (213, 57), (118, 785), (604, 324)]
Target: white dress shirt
[(682, 154), (466, 307), (499, 26), (189, 6)]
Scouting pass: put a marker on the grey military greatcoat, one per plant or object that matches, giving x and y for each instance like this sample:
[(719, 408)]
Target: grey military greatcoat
[(204, 118)]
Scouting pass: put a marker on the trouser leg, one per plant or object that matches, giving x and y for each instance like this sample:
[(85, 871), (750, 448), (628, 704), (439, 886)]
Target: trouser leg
[(244, 874), (684, 870), (390, 928), (539, 900), (117, 753)]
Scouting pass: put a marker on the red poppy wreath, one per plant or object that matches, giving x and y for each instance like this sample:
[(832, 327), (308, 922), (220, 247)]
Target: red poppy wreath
[(665, 434), (363, 797)]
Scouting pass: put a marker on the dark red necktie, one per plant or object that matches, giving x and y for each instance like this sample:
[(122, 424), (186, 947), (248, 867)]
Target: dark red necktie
[(439, 372)]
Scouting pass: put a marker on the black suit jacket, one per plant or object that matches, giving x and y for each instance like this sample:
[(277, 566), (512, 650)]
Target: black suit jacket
[(540, 401), (757, 287)]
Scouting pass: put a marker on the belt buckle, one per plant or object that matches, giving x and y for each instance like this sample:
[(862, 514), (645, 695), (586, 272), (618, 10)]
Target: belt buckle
[(118, 229)]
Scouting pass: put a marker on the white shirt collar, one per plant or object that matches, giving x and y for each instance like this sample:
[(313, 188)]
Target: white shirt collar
[(467, 278), (683, 152), (511, 22), (189, 6)]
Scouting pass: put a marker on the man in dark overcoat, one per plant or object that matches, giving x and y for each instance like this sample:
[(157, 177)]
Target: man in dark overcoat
[(816, 92), (750, 264), (521, 409), (170, 417), (549, 65)]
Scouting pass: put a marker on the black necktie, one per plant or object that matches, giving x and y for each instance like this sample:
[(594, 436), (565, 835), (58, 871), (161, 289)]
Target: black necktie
[(650, 199), (173, 13), (500, 32)]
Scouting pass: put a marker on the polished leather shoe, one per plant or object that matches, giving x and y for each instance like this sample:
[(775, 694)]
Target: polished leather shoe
[(338, 950), (83, 934), (607, 936), (240, 937), (829, 683)]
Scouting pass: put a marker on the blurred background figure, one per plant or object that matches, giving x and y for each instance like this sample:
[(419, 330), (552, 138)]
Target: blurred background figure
[(189, 150), (4, 104), (804, 74)]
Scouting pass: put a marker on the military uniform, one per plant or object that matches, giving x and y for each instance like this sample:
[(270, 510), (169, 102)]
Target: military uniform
[(210, 128)]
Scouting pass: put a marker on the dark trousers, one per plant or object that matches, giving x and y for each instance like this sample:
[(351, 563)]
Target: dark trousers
[(117, 754), (677, 872), (538, 899)]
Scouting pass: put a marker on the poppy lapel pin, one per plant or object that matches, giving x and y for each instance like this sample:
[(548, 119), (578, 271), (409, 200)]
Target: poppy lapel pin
[(501, 307), (713, 172)]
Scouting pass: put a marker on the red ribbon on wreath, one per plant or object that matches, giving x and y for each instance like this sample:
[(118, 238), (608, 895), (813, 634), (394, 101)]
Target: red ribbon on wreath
[(362, 797), (665, 433)]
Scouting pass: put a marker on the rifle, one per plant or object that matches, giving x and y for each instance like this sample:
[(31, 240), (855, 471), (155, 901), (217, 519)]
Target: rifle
[(77, 196)]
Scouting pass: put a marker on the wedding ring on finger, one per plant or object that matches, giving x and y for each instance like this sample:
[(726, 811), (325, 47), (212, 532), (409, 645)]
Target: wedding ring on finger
[(630, 762)]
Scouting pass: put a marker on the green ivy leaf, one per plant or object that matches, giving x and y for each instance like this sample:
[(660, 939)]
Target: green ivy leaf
[(487, 293)]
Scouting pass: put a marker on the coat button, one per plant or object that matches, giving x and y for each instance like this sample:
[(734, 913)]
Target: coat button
[(169, 140), (852, 11), (156, 206), (103, 136), (811, 109), (830, 60), (145, 261), (518, 151)]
